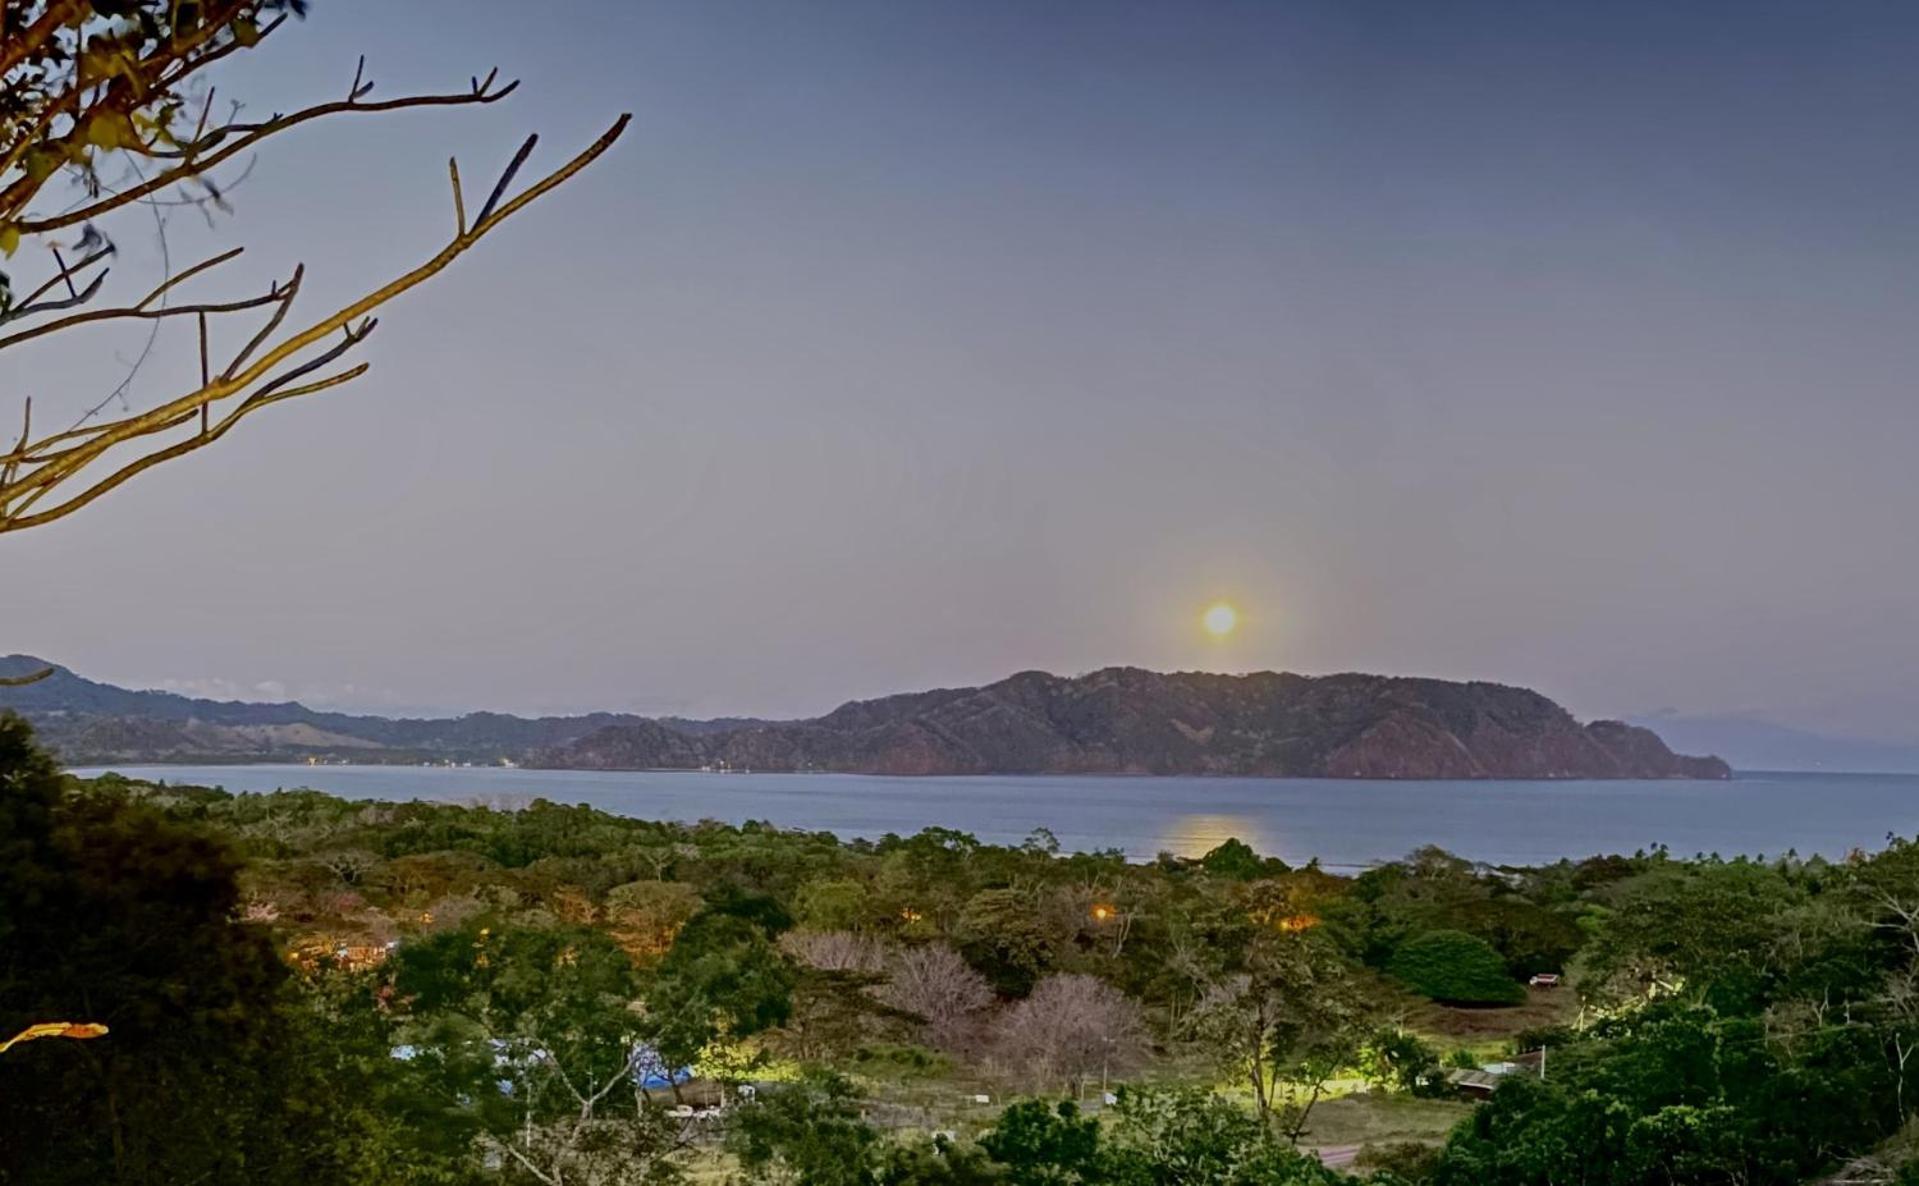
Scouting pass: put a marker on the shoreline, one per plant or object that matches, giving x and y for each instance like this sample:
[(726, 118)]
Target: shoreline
[(96, 768)]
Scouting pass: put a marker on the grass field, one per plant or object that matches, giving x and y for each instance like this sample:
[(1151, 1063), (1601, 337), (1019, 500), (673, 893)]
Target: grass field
[(1375, 1117), (1488, 1033)]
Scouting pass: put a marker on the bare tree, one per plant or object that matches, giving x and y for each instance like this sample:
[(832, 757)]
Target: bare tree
[(936, 985), (835, 951), (350, 865), (592, 1137), (85, 87), (1071, 1028)]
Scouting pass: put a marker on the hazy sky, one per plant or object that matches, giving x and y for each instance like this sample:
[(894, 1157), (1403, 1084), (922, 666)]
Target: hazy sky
[(903, 344)]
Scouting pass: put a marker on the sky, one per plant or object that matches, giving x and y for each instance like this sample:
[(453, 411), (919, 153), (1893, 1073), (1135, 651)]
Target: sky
[(902, 345)]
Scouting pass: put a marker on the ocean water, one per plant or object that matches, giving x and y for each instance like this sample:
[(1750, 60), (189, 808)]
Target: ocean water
[(1344, 823)]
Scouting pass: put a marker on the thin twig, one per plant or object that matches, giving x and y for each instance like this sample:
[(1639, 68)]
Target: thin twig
[(191, 272), (26, 307), (65, 274), (459, 199), (506, 178), (286, 296), (26, 434), (353, 338), (205, 377), (133, 311), (80, 298)]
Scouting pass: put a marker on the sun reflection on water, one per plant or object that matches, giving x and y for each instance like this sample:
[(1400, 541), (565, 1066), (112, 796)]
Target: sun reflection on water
[(1197, 835)]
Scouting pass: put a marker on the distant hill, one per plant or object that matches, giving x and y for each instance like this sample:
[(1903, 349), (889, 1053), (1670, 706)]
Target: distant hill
[(90, 723), (1751, 744), (1127, 721), (1120, 720)]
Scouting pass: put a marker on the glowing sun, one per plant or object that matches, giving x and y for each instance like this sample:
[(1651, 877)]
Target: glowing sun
[(1219, 619)]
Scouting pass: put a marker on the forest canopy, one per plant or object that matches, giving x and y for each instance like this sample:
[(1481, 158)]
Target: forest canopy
[(537, 992)]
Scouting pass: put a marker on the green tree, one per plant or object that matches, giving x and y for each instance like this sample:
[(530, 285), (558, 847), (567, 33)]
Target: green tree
[(1194, 1138), (387, 1119), (838, 904), (937, 1162), (1043, 1144), (529, 1039), (1001, 934), (111, 913), (1290, 1016), (1398, 1058), (806, 1134), (1455, 968), (723, 978), (1702, 929), (1235, 860)]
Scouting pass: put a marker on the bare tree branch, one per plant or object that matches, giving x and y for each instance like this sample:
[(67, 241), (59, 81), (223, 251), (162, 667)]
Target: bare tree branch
[(137, 312), (28, 308), (194, 165), (82, 90), (59, 458)]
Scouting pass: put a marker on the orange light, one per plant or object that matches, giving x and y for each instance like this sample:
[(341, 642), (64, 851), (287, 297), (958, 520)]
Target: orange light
[(81, 1030), (910, 914), (1297, 922), (1102, 912)]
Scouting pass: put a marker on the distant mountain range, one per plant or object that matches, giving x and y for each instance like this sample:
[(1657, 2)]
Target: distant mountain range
[(1752, 744), (91, 723), (1116, 721)]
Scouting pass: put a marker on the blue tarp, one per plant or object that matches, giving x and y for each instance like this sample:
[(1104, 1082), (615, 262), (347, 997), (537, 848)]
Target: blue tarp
[(649, 1070)]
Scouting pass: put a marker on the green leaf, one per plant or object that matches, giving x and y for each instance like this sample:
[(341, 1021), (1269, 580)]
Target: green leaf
[(41, 162), (246, 32), (111, 129), (10, 239)]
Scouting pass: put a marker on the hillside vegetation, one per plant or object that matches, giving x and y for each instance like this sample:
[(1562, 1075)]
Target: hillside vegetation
[(431, 992)]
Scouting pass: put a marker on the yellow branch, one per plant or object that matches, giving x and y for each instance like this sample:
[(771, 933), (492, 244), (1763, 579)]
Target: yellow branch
[(55, 1029)]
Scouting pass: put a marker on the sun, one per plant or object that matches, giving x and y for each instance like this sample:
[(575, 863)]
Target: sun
[(1219, 619)]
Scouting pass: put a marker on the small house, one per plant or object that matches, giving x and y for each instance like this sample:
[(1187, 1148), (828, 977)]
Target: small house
[(1476, 1084)]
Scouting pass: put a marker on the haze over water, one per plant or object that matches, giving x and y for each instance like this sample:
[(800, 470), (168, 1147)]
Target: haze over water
[(1343, 823)]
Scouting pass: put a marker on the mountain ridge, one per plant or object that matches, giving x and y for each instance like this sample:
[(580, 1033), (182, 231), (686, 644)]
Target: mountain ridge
[(1123, 720), (1118, 720)]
